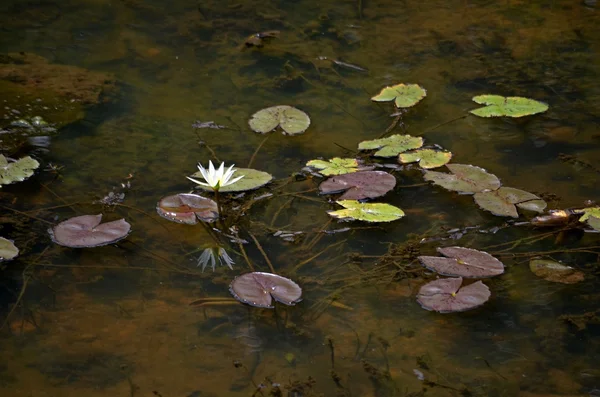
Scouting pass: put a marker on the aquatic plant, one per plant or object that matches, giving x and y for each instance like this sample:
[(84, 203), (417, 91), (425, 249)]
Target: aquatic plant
[(505, 200), (335, 166), (392, 145), (16, 170), (291, 120), (555, 272), (463, 262), (403, 95), (446, 295), (210, 255), (427, 158), (259, 289), (359, 185), (464, 178), (187, 208), (85, 231), (368, 212), (8, 249), (498, 106), (216, 178), (252, 179)]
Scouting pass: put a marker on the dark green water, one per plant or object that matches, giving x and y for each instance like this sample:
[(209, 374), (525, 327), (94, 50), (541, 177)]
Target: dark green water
[(116, 320)]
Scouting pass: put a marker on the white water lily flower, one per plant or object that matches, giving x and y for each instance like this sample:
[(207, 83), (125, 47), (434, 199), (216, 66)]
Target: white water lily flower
[(210, 255), (216, 179)]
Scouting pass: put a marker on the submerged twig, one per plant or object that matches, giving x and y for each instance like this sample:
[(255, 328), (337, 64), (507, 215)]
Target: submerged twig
[(264, 254), (256, 151)]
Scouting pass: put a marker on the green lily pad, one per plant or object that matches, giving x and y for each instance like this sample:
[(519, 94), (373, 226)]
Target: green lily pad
[(16, 171), (368, 212), (253, 179), (335, 166), (464, 178), (392, 145), (514, 106), (554, 271), (8, 250), (291, 120), (588, 213), (427, 158), (594, 223), (504, 201), (404, 95)]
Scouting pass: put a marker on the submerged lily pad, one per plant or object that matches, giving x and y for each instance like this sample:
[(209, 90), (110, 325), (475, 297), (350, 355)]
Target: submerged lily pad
[(86, 231), (291, 120), (359, 185), (463, 262), (187, 208), (368, 212), (403, 95), (444, 295), (427, 158), (259, 289), (335, 166), (253, 179), (514, 106), (8, 250), (504, 201), (464, 178), (16, 171), (392, 145), (554, 271)]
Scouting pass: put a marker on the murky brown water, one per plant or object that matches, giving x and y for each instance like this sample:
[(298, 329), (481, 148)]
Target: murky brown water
[(116, 320)]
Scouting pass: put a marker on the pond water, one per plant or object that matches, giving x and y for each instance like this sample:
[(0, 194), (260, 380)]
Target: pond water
[(124, 81)]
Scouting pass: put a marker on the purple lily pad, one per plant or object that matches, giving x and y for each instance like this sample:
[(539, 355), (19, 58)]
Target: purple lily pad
[(187, 208), (359, 185), (259, 289), (463, 262), (444, 295), (86, 231)]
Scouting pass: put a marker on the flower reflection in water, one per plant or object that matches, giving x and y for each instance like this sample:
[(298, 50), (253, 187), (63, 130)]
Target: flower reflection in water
[(210, 255)]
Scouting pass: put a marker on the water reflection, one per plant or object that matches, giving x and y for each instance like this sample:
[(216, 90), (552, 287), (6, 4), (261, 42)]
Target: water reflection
[(212, 255)]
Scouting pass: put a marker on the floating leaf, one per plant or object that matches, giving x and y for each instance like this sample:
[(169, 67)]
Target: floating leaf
[(427, 158), (8, 250), (86, 231), (335, 166), (555, 271), (589, 212), (502, 202), (259, 289), (368, 212), (594, 223), (16, 171), (291, 120), (513, 106), (444, 295), (405, 95), (359, 185), (253, 179), (464, 178), (392, 145), (187, 208), (463, 262)]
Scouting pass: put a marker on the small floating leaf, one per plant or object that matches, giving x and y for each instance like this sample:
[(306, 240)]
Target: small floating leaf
[(404, 95), (427, 158), (291, 120), (555, 271), (392, 145), (253, 179), (589, 212), (335, 166), (359, 185), (464, 178), (514, 106), (86, 231), (368, 212), (187, 208), (259, 289), (16, 171), (463, 262), (502, 202), (444, 295), (594, 223), (8, 250)]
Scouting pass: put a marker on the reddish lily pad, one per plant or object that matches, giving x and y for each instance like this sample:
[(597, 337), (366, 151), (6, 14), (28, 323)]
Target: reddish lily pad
[(86, 231), (187, 208), (359, 185), (464, 178), (259, 289), (463, 262), (444, 295)]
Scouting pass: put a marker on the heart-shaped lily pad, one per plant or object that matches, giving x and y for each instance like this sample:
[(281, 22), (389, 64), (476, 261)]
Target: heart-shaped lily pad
[(392, 145), (427, 158), (504, 201), (291, 120), (335, 166), (444, 295), (554, 271), (86, 231), (464, 178), (359, 185), (463, 262), (253, 179), (187, 208), (16, 171), (514, 106), (403, 95), (368, 212), (259, 289), (8, 250)]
